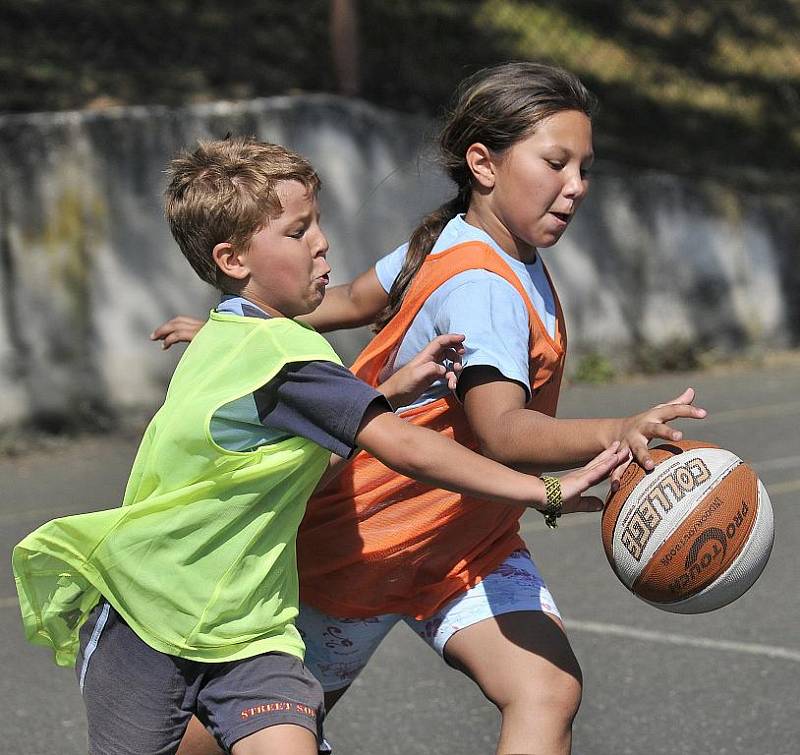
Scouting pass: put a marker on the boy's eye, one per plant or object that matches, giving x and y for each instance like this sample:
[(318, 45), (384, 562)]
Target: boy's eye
[(298, 234), (555, 164)]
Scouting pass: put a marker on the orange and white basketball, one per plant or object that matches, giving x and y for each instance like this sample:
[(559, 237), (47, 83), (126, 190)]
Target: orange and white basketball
[(692, 535)]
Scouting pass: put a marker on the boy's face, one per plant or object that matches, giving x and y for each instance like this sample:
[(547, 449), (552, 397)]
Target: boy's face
[(286, 262)]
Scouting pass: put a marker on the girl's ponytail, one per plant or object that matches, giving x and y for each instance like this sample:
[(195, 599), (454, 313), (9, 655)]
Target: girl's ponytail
[(419, 246)]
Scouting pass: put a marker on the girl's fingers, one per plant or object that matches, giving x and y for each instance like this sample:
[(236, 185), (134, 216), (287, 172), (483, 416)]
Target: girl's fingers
[(685, 398), (664, 432), (669, 412), (177, 329), (641, 453)]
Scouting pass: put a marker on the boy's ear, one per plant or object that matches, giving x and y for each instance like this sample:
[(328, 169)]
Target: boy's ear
[(481, 164), (230, 261)]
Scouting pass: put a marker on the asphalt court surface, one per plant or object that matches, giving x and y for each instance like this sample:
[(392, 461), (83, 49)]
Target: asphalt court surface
[(724, 683)]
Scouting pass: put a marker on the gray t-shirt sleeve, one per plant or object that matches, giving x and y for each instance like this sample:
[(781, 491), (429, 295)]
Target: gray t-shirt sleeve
[(318, 400)]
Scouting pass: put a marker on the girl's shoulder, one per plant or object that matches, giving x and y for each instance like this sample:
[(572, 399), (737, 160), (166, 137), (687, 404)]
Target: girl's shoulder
[(387, 268)]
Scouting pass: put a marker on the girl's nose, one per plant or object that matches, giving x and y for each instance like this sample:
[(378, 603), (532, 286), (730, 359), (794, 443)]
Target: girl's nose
[(576, 186)]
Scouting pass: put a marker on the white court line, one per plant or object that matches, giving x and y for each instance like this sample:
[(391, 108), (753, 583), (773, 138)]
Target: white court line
[(752, 412), (780, 488), (787, 462), (647, 635)]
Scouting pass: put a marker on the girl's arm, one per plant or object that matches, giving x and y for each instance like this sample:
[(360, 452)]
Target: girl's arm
[(349, 305), (526, 439), (436, 460), (179, 329)]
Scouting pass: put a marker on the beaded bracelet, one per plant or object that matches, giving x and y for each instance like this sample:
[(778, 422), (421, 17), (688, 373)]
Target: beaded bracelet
[(552, 511)]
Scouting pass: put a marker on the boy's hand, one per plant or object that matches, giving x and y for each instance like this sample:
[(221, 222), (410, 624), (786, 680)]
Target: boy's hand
[(575, 483), (180, 328), (441, 358), (637, 431)]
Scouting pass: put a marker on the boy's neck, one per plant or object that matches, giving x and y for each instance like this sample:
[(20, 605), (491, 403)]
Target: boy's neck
[(262, 305)]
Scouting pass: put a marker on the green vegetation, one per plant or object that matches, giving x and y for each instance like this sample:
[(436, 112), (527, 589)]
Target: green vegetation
[(706, 88), (593, 368)]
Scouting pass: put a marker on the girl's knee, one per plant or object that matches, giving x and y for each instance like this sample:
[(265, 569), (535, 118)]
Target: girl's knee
[(555, 696), (564, 698)]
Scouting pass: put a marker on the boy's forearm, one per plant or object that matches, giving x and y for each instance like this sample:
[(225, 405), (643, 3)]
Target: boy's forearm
[(392, 391), (438, 461)]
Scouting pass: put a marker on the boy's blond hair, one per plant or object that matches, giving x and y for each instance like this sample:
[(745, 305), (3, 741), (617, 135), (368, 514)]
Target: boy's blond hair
[(224, 191)]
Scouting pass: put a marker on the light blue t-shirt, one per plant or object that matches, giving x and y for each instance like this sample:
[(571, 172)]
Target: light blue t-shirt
[(483, 306)]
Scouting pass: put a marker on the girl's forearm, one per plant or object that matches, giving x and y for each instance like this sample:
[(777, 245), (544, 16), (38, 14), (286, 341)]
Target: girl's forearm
[(335, 312), (350, 305), (536, 442)]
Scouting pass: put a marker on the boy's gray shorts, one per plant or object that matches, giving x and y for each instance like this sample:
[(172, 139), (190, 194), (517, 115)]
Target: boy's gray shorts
[(139, 701)]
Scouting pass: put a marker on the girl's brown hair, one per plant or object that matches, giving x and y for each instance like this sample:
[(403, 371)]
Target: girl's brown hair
[(497, 107)]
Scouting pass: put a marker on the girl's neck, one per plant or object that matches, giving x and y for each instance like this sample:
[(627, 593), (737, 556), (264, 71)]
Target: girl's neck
[(480, 217)]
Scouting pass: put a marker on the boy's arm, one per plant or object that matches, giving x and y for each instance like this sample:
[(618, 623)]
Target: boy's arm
[(410, 381), (349, 305), (522, 438), (436, 460)]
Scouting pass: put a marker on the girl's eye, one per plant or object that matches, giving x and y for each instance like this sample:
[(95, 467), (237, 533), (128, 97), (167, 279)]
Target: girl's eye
[(298, 234), (555, 164)]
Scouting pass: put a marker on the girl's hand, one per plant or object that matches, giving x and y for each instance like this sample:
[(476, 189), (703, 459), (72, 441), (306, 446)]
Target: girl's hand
[(176, 330), (441, 358), (637, 431), (574, 484)]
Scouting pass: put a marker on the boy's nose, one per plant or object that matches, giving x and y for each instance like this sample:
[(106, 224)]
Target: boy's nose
[(321, 245)]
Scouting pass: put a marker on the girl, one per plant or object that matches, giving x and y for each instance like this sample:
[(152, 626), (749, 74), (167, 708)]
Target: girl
[(518, 145)]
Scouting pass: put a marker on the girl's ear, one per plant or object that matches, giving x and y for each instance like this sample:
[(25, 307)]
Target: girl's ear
[(230, 261), (481, 165)]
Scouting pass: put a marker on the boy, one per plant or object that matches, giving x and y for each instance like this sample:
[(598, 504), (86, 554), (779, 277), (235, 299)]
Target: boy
[(182, 601)]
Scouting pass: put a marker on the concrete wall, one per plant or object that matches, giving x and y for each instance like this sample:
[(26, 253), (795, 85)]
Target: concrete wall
[(87, 266)]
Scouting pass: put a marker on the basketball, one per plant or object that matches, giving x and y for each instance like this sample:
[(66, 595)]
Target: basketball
[(692, 535)]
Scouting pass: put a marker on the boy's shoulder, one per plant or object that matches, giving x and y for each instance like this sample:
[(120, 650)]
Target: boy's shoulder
[(287, 336)]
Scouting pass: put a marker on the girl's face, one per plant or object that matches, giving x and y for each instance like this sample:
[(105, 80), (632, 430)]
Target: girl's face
[(539, 183)]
